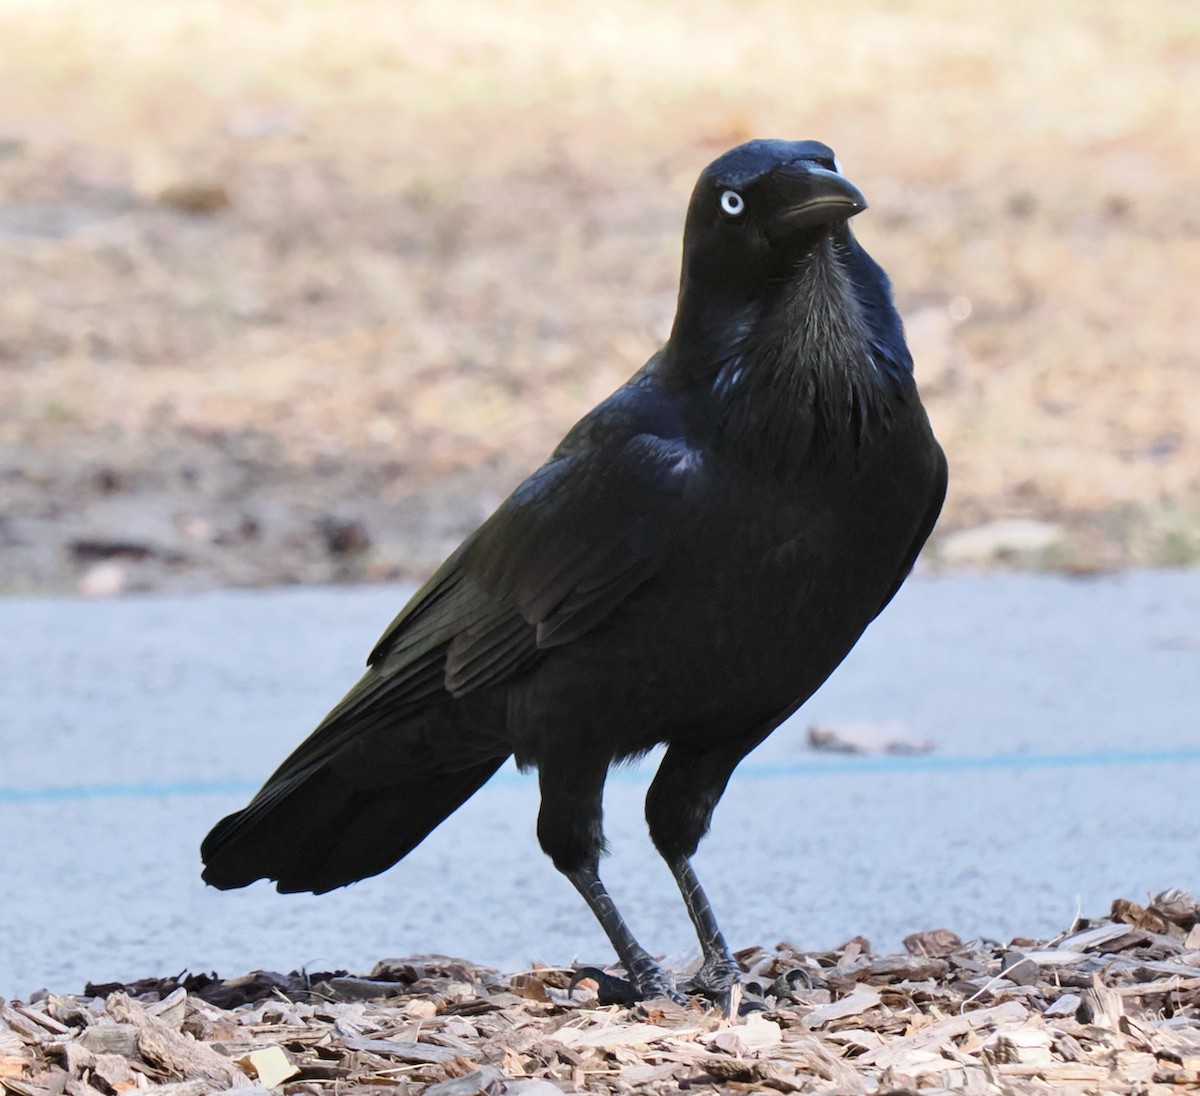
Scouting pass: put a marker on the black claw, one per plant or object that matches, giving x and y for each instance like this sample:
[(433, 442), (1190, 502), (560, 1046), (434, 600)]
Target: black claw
[(611, 990), (749, 1004), (784, 987), (622, 991), (746, 997)]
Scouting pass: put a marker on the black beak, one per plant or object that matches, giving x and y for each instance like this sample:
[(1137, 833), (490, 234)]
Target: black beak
[(821, 196)]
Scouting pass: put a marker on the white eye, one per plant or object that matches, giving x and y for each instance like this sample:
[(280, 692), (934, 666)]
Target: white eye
[(732, 203)]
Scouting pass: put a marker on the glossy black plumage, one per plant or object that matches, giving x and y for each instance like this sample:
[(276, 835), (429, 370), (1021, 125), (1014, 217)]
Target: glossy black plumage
[(691, 563)]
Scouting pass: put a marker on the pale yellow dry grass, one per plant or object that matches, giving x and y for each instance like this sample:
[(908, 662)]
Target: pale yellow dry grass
[(451, 228)]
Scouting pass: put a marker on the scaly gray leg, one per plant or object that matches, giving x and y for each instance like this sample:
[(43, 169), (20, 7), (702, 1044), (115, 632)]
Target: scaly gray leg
[(646, 978), (719, 970)]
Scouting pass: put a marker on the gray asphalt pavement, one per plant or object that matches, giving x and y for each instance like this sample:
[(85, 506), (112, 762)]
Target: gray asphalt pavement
[(1065, 715)]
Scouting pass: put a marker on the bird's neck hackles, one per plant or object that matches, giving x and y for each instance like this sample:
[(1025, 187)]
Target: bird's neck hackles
[(807, 374)]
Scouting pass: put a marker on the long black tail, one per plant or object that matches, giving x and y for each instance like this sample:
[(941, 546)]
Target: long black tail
[(314, 830)]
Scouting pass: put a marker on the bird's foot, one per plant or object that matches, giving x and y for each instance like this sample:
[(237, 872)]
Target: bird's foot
[(714, 979), (646, 982), (722, 982)]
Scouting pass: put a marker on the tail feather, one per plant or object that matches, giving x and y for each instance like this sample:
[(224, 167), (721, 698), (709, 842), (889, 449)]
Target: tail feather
[(316, 831)]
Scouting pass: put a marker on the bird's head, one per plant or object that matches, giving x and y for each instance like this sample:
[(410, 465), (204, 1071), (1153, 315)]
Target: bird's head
[(760, 208), (781, 313), (768, 258)]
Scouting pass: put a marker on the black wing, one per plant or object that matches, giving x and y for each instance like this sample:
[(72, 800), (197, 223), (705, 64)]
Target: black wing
[(557, 557)]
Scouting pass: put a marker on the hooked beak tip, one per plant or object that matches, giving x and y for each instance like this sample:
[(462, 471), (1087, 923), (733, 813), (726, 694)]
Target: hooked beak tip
[(825, 197)]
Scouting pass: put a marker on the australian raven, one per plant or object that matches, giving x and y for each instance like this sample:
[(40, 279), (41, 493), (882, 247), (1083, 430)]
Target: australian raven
[(691, 563)]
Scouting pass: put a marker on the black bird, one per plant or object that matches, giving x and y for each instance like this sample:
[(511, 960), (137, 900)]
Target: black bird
[(691, 563)]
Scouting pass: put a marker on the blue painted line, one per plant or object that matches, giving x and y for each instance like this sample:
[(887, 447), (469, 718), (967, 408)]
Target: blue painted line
[(815, 766), (146, 789), (952, 763)]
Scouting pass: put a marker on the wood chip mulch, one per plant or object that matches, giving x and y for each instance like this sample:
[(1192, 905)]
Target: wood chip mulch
[(1112, 1005)]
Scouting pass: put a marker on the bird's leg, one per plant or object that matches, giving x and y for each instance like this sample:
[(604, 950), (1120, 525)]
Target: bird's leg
[(679, 808), (719, 970), (571, 833), (646, 978)]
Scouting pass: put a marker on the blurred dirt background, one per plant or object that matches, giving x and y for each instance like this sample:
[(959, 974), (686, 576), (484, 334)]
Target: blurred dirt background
[(296, 291)]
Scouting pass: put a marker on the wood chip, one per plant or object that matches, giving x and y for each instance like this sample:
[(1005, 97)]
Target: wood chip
[(1129, 1025), (173, 1051), (405, 1052), (13, 1065), (754, 1036), (863, 998), (613, 1035), (1010, 1012), (271, 1066)]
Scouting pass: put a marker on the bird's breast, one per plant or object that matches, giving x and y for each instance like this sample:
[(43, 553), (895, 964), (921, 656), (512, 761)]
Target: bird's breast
[(752, 608)]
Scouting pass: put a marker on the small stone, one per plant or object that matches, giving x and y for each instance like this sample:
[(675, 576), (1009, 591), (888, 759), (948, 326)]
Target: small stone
[(1019, 968), (932, 944), (343, 536), (104, 579), (195, 197)]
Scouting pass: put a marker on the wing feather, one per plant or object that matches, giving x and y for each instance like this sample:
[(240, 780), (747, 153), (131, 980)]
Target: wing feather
[(555, 560)]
